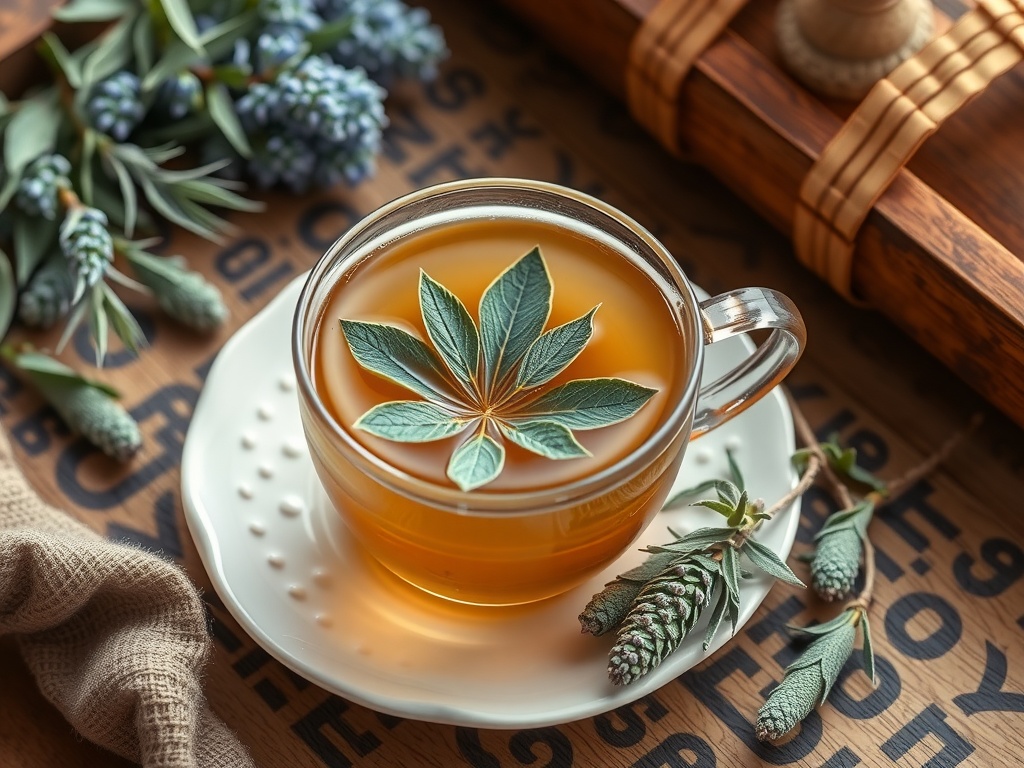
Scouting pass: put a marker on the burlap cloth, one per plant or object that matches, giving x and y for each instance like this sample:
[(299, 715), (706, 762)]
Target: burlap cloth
[(116, 637)]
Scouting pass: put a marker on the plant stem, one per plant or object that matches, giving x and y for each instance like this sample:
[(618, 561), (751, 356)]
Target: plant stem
[(806, 434)]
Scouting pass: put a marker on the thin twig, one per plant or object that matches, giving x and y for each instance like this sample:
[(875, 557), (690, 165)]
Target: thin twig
[(867, 594), (806, 434), (814, 466)]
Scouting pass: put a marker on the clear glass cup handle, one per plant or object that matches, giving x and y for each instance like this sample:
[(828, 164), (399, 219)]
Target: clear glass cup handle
[(743, 311)]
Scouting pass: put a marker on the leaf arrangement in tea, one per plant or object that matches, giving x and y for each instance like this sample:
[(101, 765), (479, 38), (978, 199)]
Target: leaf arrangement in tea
[(490, 380)]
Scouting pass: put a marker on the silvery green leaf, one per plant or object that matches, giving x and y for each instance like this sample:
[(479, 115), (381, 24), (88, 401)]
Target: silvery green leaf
[(731, 571), (31, 132), (128, 194), (411, 421), (649, 568), (94, 10), (546, 438), (8, 188), (721, 507), (32, 239), (8, 294), (85, 176), (734, 469), (54, 49), (98, 326), (476, 462), (452, 331), (736, 518), (688, 493), (716, 618), (74, 320), (40, 365), (700, 539), (857, 518), (125, 326), (398, 356), (170, 209), (513, 311), (179, 16), (587, 403), (868, 649), (769, 562), (822, 629), (142, 44), (111, 54), (728, 493), (552, 353), (218, 101)]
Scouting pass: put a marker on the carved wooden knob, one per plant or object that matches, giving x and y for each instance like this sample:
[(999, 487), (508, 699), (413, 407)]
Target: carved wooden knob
[(842, 47)]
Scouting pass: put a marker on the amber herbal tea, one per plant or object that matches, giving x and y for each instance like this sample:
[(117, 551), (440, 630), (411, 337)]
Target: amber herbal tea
[(498, 357)]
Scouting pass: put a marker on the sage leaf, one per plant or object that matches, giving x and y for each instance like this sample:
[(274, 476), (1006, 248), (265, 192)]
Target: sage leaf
[(111, 54), (410, 421), (94, 10), (451, 329), (824, 628), (552, 353), (688, 493), (8, 294), (728, 493), (125, 326), (128, 193), (398, 356), (513, 311), (770, 563), (868, 649), (31, 132), (734, 469), (179, 16), (721, 507), (218, 100), (716, 618), (697, 541), (546, 438), (54, 49), (731, 571), (736, 518), (588, 403), (98, 327), (142, 44), (45, 366), (476, 462), (32, 238)]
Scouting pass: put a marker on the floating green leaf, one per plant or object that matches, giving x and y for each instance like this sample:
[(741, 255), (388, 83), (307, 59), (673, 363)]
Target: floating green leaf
[(399, 356), (452, 331), (547, 438), (588, 403), (513, 311), (476, 462), (411, 421), (554, 351)]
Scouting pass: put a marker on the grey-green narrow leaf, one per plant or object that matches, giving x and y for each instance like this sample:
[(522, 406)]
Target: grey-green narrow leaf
[(552, 353), (8, 294), (451, 329), (396, 355), (716, 618), (55, 49), (770, 563), (700, 539), (513, 311), (52, 370), (223, 113), (731, 571), (179, 16), (410, 421), (546, 438), (31, 132), (588, 403), (93, 10), (476, 462), (112, 53), (688, 493), (32, 238), (734, 469), (868, 649)]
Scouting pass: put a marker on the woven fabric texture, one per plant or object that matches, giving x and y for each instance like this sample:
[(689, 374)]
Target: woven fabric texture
[(116, 637)]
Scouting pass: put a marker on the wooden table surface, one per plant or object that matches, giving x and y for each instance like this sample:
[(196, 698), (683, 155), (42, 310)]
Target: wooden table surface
[(949, 614)]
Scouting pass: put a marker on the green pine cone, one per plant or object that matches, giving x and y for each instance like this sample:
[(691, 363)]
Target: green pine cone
[(836, 563), (47, 297), (192, 301), (664, 612), (788, 704), (98, 418), (806, 684)]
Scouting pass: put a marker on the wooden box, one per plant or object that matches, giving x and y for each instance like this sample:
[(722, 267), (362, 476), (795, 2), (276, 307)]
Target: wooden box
[(940, 253)]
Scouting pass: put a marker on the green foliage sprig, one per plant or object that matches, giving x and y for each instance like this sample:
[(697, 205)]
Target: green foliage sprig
[(654, 606), (164, 115)]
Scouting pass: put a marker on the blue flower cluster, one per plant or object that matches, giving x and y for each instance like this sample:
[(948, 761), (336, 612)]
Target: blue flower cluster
[(321, 123), (115, 105), (40, 183), (87, 245)]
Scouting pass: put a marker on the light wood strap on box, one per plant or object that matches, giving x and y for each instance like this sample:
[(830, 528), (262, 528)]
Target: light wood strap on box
[(885, 130), (661, 54)]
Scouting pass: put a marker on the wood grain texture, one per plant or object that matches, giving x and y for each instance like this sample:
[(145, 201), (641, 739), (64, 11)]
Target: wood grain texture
[(952, 217), (952, 586)]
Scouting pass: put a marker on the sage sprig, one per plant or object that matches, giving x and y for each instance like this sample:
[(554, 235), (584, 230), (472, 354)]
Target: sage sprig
[(489, 380)]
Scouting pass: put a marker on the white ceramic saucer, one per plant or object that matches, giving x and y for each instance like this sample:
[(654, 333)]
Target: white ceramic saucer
[(286, 567)]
